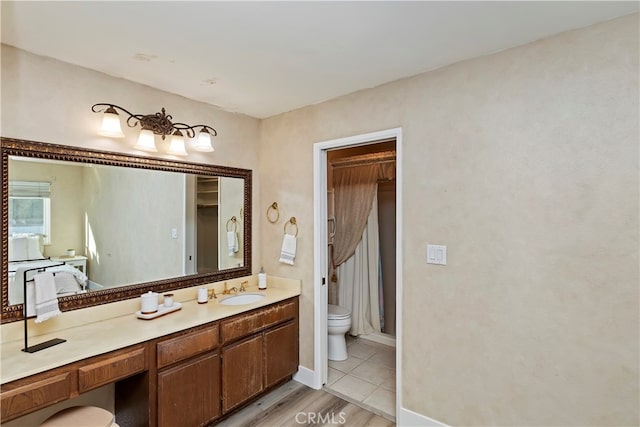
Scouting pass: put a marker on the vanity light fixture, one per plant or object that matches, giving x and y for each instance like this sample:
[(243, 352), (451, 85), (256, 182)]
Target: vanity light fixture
[(152, 125)]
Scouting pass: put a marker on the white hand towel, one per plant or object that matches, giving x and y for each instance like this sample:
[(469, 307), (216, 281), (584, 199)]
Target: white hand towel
[(232, 242), (288, 252), (45, 296)]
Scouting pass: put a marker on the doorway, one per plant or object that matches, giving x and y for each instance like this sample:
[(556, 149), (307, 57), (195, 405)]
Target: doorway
[(362, 266), (319, 376)]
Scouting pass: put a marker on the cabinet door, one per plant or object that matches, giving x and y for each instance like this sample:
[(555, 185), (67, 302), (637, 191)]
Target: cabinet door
[(281, 353), (242, 372), (189, 393)]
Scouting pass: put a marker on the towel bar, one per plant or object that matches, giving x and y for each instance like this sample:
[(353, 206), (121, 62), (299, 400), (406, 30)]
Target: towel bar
[(45, 344)]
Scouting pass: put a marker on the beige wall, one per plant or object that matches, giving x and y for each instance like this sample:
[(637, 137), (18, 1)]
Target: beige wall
[(50, 101), (128, 241), (525, 164)]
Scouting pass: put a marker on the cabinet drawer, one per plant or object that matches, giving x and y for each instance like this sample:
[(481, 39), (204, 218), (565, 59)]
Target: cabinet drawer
[(280, 313), (249, 323), (35, 395), (111, 369), (185, 346)]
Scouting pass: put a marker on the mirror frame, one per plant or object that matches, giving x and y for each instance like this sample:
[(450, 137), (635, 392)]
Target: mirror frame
[(41, 150)]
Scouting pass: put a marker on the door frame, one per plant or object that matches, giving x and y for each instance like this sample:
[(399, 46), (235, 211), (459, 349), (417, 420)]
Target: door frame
[(320, 252)]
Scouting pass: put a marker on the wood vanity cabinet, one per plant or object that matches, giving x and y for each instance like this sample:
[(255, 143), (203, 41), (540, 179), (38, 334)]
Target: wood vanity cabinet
[(38, 391), (242, 372), (188, 379), (189, 393), (24, 396), (260, 350), (281, 353)]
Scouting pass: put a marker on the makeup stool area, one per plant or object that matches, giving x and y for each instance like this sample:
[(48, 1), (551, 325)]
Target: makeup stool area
[(77, 416)]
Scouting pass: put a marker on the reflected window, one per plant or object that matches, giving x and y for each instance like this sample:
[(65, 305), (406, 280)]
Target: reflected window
[(30, 209)]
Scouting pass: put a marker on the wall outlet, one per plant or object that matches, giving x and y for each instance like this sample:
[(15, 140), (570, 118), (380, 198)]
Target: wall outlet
[(174, 233), (437, 254)]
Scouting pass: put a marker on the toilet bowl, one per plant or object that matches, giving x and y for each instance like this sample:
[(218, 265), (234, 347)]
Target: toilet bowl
[(338, 324)]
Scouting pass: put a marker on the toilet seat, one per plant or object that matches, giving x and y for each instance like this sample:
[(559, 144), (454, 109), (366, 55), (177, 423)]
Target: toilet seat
[(338, 313)]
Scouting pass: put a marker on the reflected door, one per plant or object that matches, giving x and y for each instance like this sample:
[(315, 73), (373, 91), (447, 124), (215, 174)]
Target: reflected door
[(207, 224)]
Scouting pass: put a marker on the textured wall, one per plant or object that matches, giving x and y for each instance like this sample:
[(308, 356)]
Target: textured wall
[(50, 101), (525, 163), (127, 241)]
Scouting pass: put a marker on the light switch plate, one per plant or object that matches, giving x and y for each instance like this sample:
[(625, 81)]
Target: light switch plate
[(174, 233), (437, 254)]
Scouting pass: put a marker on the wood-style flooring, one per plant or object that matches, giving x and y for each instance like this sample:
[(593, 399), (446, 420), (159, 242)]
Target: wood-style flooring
[(294, 404)]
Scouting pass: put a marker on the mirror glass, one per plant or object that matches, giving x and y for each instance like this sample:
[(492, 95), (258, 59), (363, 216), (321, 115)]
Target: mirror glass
[(117, 227)]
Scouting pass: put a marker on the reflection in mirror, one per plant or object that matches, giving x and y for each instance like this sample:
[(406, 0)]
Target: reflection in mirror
[(123, 225), (214, 234), (120, 227)]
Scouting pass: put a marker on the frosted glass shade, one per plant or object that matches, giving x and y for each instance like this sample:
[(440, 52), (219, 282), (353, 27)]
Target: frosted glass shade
[(111, 125), (203, 143), (177, 145), (146, 141)]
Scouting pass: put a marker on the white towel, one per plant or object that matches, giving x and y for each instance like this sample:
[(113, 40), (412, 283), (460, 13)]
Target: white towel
[(232, 242), (288, 252), (45, 296)]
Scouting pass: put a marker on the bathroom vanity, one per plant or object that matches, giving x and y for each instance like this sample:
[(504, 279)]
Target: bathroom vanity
[(188, 368)]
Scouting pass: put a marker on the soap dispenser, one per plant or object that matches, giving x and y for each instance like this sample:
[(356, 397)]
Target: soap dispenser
[(262, 279)]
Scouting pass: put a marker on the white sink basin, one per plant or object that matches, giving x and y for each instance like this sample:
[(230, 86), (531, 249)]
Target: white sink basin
[(241, 299)]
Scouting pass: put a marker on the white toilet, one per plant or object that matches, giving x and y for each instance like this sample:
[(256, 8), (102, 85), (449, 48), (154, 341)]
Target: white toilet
[(339, 324)]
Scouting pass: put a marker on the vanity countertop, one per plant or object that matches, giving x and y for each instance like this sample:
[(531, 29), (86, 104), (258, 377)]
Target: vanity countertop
[(92, 339)]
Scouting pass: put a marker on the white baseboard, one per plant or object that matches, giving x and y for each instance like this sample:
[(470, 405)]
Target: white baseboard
[(308, 377), (380, 338), (409, 418)]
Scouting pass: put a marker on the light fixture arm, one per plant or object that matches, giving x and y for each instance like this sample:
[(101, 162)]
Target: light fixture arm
[(159, 123)]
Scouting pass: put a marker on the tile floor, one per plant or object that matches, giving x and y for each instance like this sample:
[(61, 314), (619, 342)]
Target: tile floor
[(367, 377)]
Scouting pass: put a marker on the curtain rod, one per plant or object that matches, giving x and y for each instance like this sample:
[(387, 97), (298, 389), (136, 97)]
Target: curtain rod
[(363, 159)]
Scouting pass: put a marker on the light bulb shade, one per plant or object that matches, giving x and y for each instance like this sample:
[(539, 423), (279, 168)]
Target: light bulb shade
[(203, 142), (111, 124), (146, 141), (177, 145)]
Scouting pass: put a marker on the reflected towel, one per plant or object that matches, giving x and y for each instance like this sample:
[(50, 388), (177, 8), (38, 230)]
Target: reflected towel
[(288, 252), (232, 242), (45, 296)]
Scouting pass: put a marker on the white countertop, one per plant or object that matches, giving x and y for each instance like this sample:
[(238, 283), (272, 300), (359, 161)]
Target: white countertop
[(109, 334)]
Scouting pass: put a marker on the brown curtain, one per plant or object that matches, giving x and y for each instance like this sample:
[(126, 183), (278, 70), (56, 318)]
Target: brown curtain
[(354, 190)]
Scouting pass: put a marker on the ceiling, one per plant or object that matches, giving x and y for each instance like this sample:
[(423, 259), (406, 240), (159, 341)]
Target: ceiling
[(265, 58)]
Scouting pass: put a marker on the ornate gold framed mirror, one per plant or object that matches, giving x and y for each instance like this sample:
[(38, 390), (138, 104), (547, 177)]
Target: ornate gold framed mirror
[(129, 224)]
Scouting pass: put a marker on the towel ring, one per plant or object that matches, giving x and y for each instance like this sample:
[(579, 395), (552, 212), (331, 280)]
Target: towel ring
[(273, 207), (293, 222), (235, 224)]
